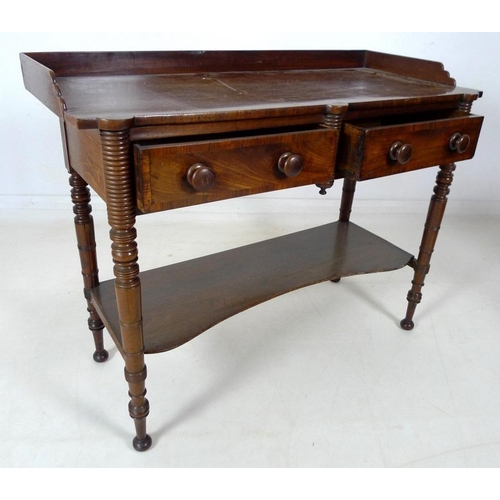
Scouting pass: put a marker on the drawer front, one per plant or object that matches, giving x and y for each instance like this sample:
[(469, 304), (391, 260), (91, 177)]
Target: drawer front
[(370, 152), (181, 174)]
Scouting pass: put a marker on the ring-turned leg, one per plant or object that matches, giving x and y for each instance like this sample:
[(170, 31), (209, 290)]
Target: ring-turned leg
[(84, 225), (432, 225), (120, 199)]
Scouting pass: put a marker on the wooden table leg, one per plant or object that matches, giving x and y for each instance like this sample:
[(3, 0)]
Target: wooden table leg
[(84, 225), (348, 190), (432, 225), (120, 199)]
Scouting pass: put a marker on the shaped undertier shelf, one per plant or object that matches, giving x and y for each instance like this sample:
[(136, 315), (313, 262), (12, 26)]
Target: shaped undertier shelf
[(182, 300)]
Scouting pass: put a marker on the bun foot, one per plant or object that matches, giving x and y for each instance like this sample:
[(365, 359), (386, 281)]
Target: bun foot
[(335, 280), (100, 357), (142, 444), (407, 324)]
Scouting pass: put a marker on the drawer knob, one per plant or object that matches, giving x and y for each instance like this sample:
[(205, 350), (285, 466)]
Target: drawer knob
[(400, 152), (290, 164), (200, 176), (459, 142)]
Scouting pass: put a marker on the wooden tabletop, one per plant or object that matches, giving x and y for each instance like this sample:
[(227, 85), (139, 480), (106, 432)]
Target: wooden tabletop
[(155, 88), (166, 98)]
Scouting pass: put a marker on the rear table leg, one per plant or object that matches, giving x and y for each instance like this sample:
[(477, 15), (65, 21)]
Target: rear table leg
[(348, 191), (432, 225), (84, 225)]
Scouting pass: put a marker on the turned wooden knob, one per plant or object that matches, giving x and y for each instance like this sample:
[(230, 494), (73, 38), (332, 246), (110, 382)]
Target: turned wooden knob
[(200, 176), (400, 152), (290, 164), (459, 142)]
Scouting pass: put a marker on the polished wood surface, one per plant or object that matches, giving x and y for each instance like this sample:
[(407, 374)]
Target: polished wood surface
[(185, 299), (155, 88), (239, 166), (154, 131), (371, 151)]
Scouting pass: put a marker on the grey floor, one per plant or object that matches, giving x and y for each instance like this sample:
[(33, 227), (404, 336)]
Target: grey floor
[(321, 377)]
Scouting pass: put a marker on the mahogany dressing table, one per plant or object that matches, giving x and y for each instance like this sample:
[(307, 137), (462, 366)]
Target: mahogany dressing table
[(154, 131)]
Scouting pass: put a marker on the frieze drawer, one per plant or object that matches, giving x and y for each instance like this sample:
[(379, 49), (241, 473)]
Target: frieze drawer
[(367, 151), (188, 173)]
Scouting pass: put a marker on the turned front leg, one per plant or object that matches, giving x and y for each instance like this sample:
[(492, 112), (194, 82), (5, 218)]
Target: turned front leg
[(84, 225), (118, 175), (432, 225)]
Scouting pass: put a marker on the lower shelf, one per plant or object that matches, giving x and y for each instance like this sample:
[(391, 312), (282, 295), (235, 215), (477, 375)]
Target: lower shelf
[(182, 300)]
